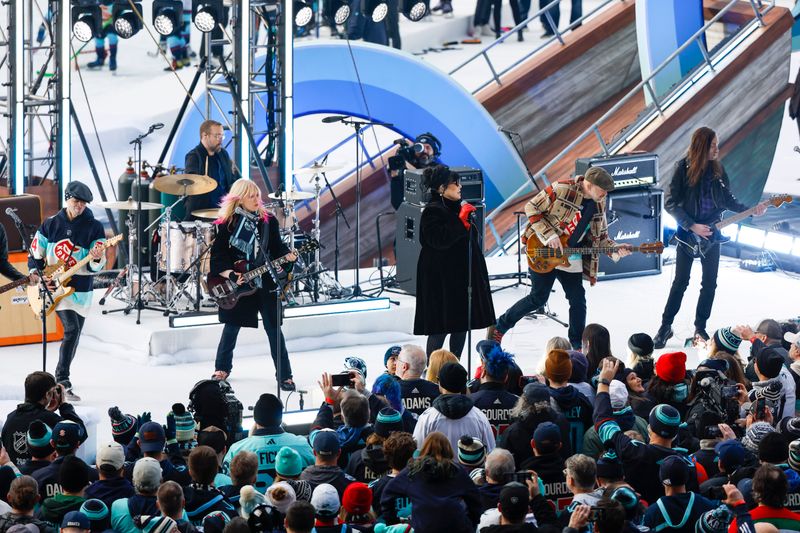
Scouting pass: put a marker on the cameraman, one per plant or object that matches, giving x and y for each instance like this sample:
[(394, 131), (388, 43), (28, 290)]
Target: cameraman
[(423, 153)]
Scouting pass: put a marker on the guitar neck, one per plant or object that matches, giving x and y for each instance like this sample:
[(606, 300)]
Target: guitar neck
[(13, 284), (739, 216), (263, 269), (586, 250)]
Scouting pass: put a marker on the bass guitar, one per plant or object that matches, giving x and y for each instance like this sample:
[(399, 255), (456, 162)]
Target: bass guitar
[(542, 259), (698, 246), (227, 293), (60, 278)]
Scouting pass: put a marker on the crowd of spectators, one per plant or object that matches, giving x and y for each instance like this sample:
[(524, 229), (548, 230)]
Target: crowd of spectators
[(592, 443)]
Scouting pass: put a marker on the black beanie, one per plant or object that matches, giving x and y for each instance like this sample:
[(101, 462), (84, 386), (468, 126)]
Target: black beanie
[(73, 474), (268, 411), (641, 344)]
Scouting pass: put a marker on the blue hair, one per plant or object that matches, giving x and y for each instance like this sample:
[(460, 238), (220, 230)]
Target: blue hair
[(387, 386), (498, 362)]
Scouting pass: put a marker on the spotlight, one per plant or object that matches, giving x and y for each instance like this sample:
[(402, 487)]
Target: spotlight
[(167, 16), (87, 21), (415, 10), (126, 17), (207, 14), (303, 13), (339, 10), (376, 9)]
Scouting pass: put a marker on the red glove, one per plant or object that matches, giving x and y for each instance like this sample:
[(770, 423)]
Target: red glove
[(466, 210)]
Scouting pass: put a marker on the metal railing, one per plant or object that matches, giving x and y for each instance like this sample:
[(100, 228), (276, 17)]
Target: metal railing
[(657, 108), (557, 36)]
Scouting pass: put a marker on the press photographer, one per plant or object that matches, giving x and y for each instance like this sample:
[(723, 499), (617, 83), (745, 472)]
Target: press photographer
[(712, 393), (423, 152)]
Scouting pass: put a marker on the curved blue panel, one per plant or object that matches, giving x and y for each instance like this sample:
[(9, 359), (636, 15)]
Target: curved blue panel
[(399, 89)]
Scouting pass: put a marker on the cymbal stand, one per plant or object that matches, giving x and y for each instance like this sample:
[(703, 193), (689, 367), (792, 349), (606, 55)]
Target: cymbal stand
[(167, 278)]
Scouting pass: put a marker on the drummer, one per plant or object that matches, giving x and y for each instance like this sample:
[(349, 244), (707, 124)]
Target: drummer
[(209, 158)]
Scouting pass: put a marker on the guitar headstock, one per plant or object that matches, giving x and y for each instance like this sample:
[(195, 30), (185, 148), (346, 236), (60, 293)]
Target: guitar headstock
[(779, 199), (112, 241), (652, 247), (309, 246)]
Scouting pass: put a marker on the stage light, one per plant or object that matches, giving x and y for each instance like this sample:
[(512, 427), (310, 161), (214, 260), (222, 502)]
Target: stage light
[(335, 308), (167, 16), (415, 10), (126, 17), (338, 11), (376, 9), (303, 13), (730, 232), (207, 14), (778, 242), (750, 236), (87, 21)]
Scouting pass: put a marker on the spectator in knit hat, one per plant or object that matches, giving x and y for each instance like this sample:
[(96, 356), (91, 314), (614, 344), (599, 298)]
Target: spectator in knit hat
[(639, 459), (669, 384), (171, 503), (267, 438), (770, 489), (390, 360), (73, 478), (98, 514), (492, 396), (773, 382), (66, 438), (567, 400), (288, 467), (398, 448), (281, 495), (640, 346), (123, 426), (243, 471), (356, 509), (75, 522), (326, 469), (453, 413), (369, 463), (202, 497), (152, 441), (39, 439), (112, 485), (532, 409), (678, 510), (386, 393), (417, 393), (23, 497), (146, 479), (440, 491), (471, 453), (578, 377), (624, 416), (498, 471)]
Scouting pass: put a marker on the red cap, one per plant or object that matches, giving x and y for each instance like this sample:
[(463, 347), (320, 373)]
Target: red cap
[(671, 367), (357, 499)]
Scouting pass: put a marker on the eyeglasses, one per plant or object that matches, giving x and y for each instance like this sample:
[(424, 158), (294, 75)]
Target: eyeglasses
[(217, 135)]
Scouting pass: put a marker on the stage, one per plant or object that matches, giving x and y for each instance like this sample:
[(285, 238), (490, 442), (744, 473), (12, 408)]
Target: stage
[(150, 366)]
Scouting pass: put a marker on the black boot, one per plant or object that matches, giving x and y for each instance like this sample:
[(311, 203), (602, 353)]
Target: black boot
[(663, 335), (112, 57), (101, 58)]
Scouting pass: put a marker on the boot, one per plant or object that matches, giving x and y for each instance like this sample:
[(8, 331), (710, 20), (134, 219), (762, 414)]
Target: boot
[(701, 334), (662, 336), (101, 58), (112, 59)]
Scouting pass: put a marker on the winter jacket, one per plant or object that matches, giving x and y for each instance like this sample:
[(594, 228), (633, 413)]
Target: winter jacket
[(442, 496), (265, 443), (550, 469), (351, 440), (109, 490), (10, 519), (202, 500), (368, 464), (53, 509), (626, 420), (496, 403), (454, 415), (541, 513), (517, 438), (490, 494), (400, 508), (47, 478), (332, 475), (15, 428), (418, 394), (707, 457), (576, 409), (28, 468), (123, 511), (678, 513)]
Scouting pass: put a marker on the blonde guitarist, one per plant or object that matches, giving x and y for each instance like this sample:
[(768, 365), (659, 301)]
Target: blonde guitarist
[(575, 208), (69, 236)]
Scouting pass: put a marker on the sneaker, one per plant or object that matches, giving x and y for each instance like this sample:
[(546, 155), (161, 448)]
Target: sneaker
[(661, 338), (702, 334), (70, 396), (494, 334)]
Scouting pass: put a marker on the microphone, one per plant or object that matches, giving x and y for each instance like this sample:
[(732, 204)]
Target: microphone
[(11, 211), (471, 216), (334, 118)]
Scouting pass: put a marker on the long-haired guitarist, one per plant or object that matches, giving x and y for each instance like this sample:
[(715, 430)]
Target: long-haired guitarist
[(248, 236), (575, 208), (69, 236), (696, 197)]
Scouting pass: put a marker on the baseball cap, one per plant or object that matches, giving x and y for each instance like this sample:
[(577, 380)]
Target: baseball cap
[(325, 500), (111, 456), (674, 471), (152, 437), (514, 500), (536, 393), (67, 435), (325, 442), (792, 338), (730, 453), (75, 519), (547, 436), (146, 474)]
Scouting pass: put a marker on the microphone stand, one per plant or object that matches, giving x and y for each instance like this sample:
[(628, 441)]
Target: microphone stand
[(44, 293), (471, 219), (339, 212)]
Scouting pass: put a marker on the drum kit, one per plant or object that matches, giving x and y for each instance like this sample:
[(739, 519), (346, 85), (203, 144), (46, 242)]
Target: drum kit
[(181, 258)]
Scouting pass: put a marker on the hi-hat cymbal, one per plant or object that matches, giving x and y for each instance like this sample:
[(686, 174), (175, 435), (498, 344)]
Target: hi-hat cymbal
[(293, 196), (316, 169), (129, 205), (188, 184), (212, 214)]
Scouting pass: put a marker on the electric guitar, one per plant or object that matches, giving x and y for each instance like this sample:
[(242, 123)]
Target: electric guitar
[(542, 259), (698, 246), (227, 293), (61, 277)]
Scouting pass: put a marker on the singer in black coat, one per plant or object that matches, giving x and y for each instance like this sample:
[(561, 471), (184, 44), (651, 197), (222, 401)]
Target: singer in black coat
[(442, 277)]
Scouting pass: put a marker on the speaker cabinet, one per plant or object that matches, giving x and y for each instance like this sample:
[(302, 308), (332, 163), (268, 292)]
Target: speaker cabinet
[(29, 210), (634, 218)]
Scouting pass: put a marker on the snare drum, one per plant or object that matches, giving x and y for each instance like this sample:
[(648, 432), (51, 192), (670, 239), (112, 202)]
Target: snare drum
[(187, 240)]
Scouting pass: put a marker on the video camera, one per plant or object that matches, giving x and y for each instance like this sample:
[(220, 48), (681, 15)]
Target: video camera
[(214, 403), (410, 152), (715, 395)]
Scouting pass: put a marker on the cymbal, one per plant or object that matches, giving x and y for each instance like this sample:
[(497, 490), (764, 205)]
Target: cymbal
[(316, 169), (129, 205), (212, 214), (294, 196), (188, 184)]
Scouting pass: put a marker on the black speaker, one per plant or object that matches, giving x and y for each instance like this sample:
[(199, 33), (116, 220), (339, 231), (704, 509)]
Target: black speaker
[(634, 217), (407, 245), (629, 171), (471, 185)]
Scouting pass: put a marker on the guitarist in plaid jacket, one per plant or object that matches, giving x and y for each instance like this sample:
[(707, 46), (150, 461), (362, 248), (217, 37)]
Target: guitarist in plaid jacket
[(574, 207)]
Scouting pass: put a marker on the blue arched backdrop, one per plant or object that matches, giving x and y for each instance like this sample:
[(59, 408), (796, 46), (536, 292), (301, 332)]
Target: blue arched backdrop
[(400, 89)]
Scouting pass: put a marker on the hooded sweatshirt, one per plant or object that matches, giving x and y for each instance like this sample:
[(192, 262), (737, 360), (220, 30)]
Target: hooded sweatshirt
[(53, 509), (681, 510), (368, 464), (16, 425), (576, 409), (454, 415), (123, 511), (517, 438), (110, 490), (332, 475)]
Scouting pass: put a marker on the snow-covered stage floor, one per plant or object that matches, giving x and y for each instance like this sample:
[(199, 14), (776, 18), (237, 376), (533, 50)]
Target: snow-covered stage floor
[(115, 367)]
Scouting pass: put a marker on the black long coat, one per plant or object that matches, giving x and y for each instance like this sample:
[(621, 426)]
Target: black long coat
[(223, 256), (442, 275)]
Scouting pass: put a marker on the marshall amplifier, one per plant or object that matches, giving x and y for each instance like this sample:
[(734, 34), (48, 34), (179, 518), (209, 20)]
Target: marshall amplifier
[(634, 217), (471, 185), (629, 171)]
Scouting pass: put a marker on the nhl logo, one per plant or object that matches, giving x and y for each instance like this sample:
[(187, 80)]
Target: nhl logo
[(20, 443)]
